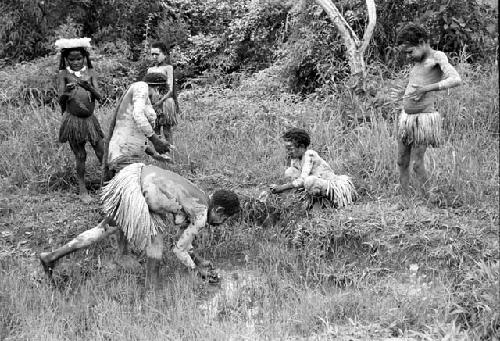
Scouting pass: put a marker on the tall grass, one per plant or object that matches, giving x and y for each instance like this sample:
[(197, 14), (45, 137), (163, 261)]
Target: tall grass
[(322, 274), (222, 131)]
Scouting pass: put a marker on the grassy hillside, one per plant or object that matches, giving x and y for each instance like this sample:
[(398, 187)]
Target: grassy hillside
[(368, 272)]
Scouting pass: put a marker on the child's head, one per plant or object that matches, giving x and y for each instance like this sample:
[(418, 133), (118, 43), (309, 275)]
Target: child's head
[(159, 52), (414, 41), (75, 58), (223, 204), (296, 142)]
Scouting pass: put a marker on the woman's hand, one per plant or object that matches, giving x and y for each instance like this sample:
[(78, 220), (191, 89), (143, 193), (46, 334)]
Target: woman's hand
[(86, 85), (70, 86), (273, 188), (276, 189)]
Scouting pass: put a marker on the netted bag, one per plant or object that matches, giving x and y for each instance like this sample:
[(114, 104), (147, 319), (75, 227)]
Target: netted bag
[(79, 103)]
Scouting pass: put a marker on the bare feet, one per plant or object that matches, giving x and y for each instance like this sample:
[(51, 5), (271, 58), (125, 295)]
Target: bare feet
[(47, 266), (85, 198)]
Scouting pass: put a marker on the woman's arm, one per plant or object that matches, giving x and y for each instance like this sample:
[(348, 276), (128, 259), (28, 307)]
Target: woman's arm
[(95, 87), (282, 188), (62, 89)]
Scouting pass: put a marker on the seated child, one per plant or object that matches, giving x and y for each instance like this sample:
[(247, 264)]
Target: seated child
[(310, 172)]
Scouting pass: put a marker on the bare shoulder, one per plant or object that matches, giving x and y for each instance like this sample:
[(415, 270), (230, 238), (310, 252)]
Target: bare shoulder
[(440, 57), (62, 74), (93, 73), (312, 154), (161, 69), (139, 86)]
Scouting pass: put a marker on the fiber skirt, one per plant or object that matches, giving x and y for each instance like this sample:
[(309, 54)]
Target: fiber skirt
[(420, 129), (77, 130), (168, 117)]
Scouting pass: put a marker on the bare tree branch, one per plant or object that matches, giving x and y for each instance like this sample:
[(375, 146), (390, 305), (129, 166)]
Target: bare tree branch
[(372, 20), (340, 23), (355, 48)]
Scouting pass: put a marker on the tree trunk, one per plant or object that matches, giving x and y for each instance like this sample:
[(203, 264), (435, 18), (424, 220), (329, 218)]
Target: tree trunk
[(355, 48)]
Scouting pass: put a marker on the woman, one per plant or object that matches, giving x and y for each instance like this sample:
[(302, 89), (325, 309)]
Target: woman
[(78, 91), (310, 172), (167, 106)]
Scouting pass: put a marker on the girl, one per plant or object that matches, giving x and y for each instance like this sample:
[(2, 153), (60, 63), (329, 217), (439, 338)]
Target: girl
[(78, 91)]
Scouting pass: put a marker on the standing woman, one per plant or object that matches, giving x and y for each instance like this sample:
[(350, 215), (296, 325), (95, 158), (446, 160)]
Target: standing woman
[(78, 91), (167, 106)]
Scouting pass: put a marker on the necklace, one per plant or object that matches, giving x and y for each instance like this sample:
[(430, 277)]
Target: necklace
[(76, 73)]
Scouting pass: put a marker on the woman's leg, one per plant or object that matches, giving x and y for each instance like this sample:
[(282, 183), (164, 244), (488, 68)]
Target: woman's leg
[(83, 240), (154, 253), (99, 149), (80, 156)]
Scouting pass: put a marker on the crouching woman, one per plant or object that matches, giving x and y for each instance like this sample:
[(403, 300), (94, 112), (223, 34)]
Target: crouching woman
[(310, 172)]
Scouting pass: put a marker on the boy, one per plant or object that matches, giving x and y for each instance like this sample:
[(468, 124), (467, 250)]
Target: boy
[(420, 123)]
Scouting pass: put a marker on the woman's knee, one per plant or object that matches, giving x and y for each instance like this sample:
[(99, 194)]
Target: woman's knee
[(292, 173), (404, 161), (314, 185), (154, 249)]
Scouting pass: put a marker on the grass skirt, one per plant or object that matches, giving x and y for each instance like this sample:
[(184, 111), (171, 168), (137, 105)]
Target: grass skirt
[(338, 189), (79, 130), (341, 191), (123, 201), (168, 117), (420, 129)]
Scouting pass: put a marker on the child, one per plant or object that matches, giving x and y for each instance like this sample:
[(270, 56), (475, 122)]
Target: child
[(420, 123), (78, 91), (309, 171), (167, 106)]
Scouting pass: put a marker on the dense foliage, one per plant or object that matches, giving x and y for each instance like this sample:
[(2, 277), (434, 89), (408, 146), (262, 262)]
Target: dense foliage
[(217, 40)]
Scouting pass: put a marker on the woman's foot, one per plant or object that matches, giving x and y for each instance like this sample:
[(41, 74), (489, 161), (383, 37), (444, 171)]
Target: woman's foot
[(86, 198), (47, 265)]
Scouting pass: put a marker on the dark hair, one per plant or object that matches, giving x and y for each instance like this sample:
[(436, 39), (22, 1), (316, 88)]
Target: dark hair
[(156, 79), (65, 53), (160, 45), (299, 137), (228, 200), (413, 34)]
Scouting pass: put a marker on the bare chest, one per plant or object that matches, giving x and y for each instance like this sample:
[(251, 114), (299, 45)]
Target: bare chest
[(425, 73)]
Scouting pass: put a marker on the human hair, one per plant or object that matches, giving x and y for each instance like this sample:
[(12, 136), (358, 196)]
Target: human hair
[(160, 45), (228, 200), (156, 79), (412, 34), (299, 137), (65, 53)]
